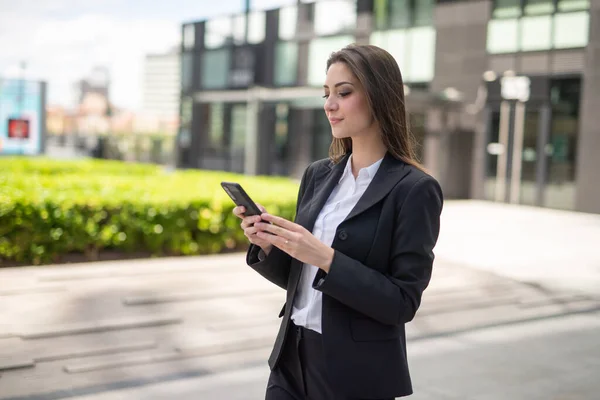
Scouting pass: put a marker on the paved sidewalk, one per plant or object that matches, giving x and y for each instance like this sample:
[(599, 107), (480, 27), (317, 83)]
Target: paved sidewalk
[(553, 248), (202, 327)]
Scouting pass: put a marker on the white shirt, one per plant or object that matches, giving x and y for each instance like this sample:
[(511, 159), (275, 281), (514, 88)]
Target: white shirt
[(307, 307)]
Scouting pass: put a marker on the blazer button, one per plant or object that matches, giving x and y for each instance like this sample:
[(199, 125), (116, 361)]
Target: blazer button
[(342, 235)]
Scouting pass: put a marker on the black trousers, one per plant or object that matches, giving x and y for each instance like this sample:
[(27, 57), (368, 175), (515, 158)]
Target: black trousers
[(301, 373)]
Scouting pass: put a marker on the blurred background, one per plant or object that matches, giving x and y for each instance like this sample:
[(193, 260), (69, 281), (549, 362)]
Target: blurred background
[(118, 120)]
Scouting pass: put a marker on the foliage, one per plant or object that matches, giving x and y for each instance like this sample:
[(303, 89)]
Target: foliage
[(50, 209)]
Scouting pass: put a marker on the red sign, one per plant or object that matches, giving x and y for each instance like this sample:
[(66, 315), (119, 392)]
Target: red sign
[(18, 128)]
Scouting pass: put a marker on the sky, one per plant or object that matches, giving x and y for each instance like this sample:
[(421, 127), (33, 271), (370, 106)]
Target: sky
[(61, 41)]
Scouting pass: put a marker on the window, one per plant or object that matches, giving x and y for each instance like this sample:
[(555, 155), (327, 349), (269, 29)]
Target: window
[(399, 14), (573, 5), (537, 7), (413, 49), (396, 43), (238, 127), (187, 66), (256, 27), (503, 36), (516, 8), (239, 29), (536, 33), (507, 8), (540, 32), (218, 32), (571, 30), (422, 54), (286, 63), (216, 128), (424, 12), (215, 69), (189, 39), (318, 53), (334, 16), (287, 22)]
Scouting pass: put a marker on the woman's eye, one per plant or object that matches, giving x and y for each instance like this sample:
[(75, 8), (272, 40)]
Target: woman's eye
[(325, 96), (344, 94)]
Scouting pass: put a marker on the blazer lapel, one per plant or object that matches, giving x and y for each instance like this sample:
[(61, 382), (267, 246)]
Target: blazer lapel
[(390, 172), (325, 180)]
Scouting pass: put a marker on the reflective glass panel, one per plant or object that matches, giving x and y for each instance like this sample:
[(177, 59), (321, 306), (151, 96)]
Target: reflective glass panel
[(536, 33), (334, 16), (503, 36), (215, 69), (571, 29), (318, 53)]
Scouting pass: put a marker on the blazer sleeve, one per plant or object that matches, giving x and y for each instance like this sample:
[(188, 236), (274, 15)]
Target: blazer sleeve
[(392, 298), (276, 266)]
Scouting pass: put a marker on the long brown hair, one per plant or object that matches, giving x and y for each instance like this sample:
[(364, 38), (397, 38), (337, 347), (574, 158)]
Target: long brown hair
[(380, 76)]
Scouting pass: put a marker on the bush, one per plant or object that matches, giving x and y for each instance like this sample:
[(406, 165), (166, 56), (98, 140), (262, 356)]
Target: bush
[(52, 209)]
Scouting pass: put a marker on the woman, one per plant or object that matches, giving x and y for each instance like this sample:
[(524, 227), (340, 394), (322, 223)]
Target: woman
[(359, 255)]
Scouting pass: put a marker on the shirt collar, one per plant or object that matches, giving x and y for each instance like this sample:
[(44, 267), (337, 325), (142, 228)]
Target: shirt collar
[(370, 171)]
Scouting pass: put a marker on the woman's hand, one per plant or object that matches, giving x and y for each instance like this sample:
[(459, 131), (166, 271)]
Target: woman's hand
[(295, 240), (249, 227)]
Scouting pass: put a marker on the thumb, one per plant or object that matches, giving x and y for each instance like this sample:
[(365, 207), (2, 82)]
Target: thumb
[(261, 208)]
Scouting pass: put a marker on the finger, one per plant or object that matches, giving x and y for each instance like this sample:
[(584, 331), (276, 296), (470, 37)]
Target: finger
[(261, 208), (277, 241), (284, 223), (239, 211), (274, 229), (249, 221)]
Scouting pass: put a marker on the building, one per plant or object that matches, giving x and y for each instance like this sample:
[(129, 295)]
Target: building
[(502, 97), (161, 92), (22, 117)]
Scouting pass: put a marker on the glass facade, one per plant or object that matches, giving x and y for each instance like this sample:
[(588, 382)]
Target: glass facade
[(536, 7), (187, 66), (399, 14), (288, 17), (189, 39), (547, 154), (238, 128), (216, 128), (286, 63), (571, 30), (218, 32), (544, 32), (413, 49), (561, 149), (536, 33), (334, 16), (318, 52), (507, 8), (215, 69), (573, 5)]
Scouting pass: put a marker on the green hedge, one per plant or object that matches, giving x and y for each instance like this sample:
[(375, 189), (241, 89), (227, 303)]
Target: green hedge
[(52, 209)]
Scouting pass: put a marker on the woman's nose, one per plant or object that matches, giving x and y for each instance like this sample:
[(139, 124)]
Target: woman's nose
[(330, 104)]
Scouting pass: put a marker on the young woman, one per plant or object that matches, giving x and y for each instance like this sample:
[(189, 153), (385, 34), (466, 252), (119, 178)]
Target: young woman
[(359, 255)]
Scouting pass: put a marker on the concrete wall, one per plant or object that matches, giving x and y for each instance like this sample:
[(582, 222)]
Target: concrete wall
[(588, 153), (460, 61)]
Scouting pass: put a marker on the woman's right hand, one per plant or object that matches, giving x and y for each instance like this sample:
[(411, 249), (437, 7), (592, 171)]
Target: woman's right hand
[(249, 229)]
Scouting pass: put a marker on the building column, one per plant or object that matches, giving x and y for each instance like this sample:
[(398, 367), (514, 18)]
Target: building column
[(251, 145), (587, 192)]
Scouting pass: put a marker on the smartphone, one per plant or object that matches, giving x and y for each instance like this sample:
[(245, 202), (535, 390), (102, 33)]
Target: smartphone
[(241, 198)]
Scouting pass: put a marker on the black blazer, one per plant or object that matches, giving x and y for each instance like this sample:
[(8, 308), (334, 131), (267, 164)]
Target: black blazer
[(382, 264)]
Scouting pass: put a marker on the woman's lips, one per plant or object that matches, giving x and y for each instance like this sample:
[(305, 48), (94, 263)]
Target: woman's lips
[(334, 121)]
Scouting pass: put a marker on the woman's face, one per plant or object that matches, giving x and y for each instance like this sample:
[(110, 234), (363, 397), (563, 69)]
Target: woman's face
[(346, 104)]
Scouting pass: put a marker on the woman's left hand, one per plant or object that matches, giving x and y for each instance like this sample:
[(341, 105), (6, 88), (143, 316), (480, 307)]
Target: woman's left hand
[(295, 240)]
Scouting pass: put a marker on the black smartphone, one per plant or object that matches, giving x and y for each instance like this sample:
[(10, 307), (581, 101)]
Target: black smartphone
[(241, 198)]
